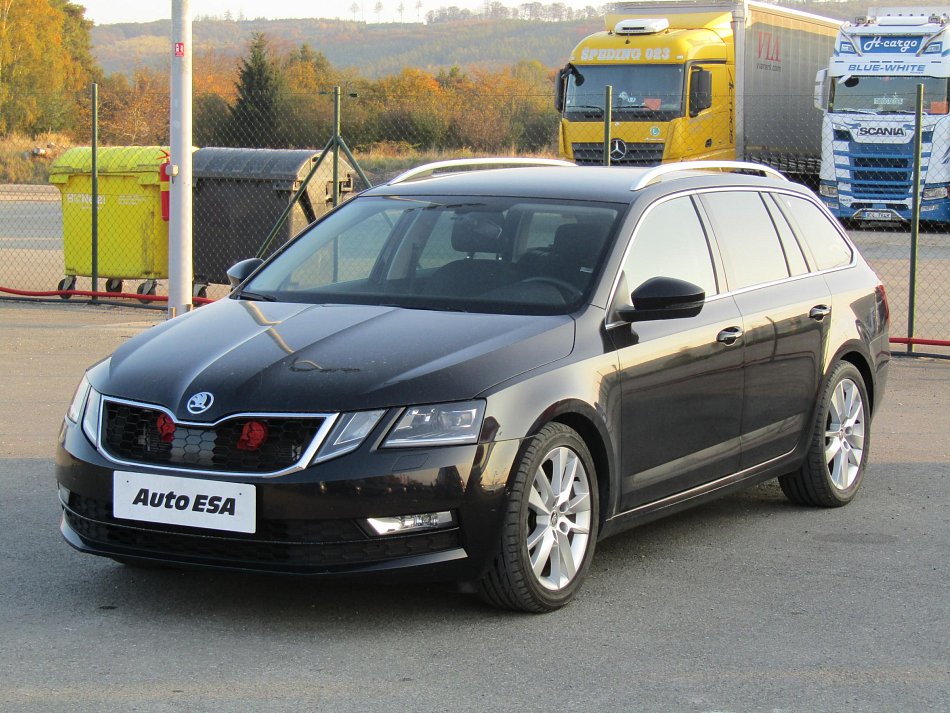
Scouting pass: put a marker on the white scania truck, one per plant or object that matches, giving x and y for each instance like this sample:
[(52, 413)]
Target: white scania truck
[(869, 95)]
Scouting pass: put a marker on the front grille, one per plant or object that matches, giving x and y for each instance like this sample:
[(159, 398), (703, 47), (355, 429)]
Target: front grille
[(636, 154), (880, 172), (287, 543), (132, 433)]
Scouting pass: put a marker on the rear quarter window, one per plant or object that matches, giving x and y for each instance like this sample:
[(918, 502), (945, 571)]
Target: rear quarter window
[(828, 248)]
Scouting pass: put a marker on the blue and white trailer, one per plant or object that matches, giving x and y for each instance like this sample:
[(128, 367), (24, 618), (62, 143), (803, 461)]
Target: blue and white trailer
[(868, 94)]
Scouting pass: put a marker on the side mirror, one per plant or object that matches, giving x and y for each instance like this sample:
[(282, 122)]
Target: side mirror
[(700, 90), (240, 271), (821, 89), (663, 298), (560, 86)]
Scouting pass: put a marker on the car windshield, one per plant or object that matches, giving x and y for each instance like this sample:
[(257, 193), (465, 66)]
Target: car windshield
[(457, 253)]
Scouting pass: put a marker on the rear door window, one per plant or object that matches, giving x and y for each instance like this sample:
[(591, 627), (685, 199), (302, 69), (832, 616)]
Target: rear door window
[(751, 251), (793, 249)]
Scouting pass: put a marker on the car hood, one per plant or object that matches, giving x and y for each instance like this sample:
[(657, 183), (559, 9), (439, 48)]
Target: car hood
[(287, 357)]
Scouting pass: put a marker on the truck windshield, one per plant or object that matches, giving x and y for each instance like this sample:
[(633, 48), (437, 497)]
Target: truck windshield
[(640, 92), (888, 95)]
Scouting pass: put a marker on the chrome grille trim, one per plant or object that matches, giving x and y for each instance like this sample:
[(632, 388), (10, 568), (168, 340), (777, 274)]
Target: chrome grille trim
[(329, 419)]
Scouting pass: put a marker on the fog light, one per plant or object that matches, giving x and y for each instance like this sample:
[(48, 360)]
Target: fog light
[(826, 189), (410, 523), (935, 193)]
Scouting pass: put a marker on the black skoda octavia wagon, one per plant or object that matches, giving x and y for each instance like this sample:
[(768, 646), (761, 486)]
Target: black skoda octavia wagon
[(476, 375)]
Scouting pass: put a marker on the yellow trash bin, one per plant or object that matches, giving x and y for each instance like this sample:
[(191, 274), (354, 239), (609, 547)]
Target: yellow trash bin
[(133, 237)]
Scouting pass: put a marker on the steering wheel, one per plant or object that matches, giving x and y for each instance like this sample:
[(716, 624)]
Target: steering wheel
[(568, 291)]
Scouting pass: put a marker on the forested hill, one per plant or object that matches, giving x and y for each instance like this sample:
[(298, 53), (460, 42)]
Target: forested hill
[(374, 49)]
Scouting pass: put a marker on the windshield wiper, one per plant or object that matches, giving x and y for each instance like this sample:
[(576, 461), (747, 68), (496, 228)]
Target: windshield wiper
[(587, 108), (255, 296), (836, 110), (897, 111)]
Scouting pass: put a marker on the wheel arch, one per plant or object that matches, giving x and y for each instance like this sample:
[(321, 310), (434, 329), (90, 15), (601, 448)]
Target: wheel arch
[(861, 363), (594, 440)]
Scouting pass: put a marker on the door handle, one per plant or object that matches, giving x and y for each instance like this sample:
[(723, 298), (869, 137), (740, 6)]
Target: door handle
[(819, 312), (730, 335)]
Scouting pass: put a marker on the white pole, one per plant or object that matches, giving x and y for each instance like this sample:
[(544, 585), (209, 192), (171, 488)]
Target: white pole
[(180, 275)]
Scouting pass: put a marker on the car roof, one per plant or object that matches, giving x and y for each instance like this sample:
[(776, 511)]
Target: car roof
[(584, 183)]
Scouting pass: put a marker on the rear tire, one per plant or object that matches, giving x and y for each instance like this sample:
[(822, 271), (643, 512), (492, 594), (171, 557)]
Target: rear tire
[(834, 468), (550, 525)]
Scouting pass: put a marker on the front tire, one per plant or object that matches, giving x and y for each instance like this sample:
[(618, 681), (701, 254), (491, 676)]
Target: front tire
[(550, 526), (834, 468)]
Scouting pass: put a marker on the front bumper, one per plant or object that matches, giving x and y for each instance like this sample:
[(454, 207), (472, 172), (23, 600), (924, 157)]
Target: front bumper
[(310, 522)]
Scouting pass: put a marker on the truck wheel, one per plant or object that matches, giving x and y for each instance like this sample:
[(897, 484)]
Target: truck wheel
[(834, 468), (550, 525), (113, 285)]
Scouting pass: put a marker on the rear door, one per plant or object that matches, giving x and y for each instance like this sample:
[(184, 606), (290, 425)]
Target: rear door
[(681, 384), (785, 312)]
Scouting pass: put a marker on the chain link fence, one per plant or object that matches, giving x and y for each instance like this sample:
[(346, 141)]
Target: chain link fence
[(252, 158)]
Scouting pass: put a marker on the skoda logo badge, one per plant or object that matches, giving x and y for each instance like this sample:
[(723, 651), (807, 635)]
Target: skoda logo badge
[(618, 149), (200, 402), (654, 131)]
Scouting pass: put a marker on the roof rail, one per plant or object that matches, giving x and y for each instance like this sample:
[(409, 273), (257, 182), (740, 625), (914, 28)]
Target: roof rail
[(430, 169), (655, 173)]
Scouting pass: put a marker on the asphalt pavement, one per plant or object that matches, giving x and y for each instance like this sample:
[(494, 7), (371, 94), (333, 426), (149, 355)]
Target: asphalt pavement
[(745, 604)]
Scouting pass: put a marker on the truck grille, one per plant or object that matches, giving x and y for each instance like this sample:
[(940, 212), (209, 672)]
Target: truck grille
[(138, 434), (880, 172), (634, 154)]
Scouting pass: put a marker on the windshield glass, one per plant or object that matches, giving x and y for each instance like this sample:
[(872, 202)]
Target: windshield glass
[(888, 95), (458, 253), (641, 92)]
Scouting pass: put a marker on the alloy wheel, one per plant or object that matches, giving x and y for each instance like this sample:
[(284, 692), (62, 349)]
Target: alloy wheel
[(844, 434), (559, 518)]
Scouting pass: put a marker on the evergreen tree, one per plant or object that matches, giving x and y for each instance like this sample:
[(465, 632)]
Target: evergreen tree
[(257, 117)]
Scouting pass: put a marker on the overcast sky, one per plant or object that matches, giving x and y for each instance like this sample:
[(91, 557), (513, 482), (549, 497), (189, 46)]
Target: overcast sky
[(103, 12)]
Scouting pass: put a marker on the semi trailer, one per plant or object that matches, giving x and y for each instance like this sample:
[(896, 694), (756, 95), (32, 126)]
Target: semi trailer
[(697, 80)]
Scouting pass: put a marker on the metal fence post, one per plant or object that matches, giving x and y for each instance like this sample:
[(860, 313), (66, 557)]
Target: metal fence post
[(915, 219), (180, 244), (608, 118), (336, 146), (95, 190)]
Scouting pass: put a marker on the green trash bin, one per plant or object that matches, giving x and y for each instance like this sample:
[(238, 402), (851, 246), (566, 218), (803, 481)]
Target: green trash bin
[(133, 236)]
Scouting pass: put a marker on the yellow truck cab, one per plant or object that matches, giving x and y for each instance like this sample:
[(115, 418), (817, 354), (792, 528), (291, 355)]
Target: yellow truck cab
[(691, 80)]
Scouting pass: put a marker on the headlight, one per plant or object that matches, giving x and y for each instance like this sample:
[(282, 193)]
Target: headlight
[(79, 399), (439, 425), (350, 430), (90, 419), (934, 193), (828, 190)]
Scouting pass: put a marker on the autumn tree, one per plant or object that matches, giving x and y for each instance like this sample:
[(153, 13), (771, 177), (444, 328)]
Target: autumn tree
[(45, 62), (134, 111), (308, 75)]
